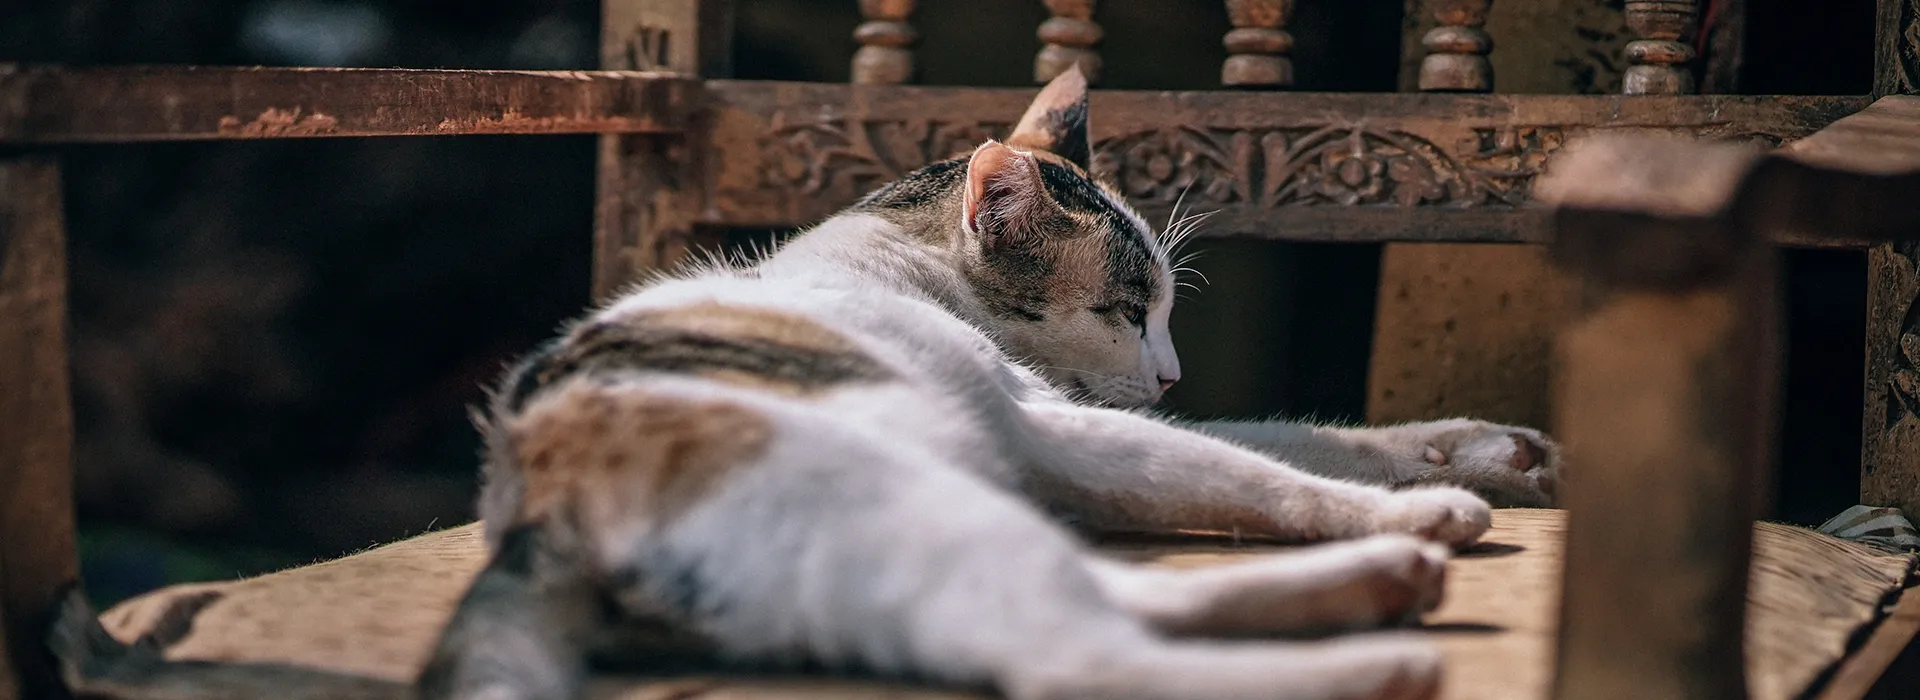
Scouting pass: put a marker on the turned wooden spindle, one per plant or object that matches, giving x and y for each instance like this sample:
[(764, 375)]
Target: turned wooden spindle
[(1069, 35), (883, 58), (1258, 44), (1456, 59), (1657, 55)]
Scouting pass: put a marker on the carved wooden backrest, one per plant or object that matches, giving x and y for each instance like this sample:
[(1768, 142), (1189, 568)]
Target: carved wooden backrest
[(1326, 167)]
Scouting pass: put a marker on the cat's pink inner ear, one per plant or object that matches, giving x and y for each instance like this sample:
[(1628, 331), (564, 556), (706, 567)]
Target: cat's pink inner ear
[(1003, 193)]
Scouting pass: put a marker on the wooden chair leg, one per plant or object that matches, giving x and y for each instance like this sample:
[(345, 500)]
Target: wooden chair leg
[(37, 550), (1669, 382)]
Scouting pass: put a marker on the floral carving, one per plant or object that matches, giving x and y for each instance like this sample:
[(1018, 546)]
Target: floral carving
[(849, 157), (1325, 165), (1160, 166)]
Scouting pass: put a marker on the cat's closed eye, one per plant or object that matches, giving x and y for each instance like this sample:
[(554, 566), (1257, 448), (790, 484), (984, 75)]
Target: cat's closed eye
[(1133, 314)]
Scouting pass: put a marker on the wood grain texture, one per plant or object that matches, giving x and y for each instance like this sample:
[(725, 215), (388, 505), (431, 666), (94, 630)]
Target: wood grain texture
[(37, 547), (1810, 594), (648, 190), (122, 104)]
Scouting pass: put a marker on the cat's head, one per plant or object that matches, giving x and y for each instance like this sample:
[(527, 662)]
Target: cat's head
[(1074, 281)]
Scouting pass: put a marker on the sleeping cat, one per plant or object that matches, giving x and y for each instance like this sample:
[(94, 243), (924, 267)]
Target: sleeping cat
[(859, 453)]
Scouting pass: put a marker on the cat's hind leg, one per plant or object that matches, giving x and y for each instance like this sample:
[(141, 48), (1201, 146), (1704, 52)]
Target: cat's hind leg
[(1374, 581), (523, 628)]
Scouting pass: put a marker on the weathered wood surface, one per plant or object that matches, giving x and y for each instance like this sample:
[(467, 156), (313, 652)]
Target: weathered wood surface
[(201, 103), (1810, 594), (1885, 138), (37, 548), (1670, 384), (1329, 167), (647, 195), (1896, 47)]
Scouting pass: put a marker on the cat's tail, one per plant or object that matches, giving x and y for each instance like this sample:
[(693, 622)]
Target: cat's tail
[(95, 665)]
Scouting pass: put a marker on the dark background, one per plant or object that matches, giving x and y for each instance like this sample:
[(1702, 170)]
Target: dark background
[(274, 342)]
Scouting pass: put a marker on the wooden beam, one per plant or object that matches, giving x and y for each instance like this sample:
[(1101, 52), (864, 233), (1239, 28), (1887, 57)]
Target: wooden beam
[(650, 190), (119, 104), (1884, 138), (1669, 384), (37, 548), (1327, 166)]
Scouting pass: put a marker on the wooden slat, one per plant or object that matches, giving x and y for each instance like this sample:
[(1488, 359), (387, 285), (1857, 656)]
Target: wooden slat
[(1296, 166), (37, 555), (1884, 138), (647, 196), (201, 103)]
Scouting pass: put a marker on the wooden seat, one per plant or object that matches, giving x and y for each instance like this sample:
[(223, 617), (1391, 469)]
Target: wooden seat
[(1811, 595)]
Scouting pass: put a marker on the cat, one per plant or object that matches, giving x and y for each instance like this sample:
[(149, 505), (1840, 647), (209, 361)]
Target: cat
[(866, 449)]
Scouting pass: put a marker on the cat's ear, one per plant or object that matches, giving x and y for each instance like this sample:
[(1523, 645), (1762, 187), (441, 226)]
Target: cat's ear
[(1006, 203), (1056, 122)]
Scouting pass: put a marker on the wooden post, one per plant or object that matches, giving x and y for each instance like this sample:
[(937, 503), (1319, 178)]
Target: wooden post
[(1067, 38), (1456, 59), (649, 192), (37, 548), (1258, 44), (884, 57), (1659, 53), (1890, 421), (1666, 391)]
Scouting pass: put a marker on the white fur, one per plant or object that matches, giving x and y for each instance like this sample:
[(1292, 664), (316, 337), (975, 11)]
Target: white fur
[(893, 525)]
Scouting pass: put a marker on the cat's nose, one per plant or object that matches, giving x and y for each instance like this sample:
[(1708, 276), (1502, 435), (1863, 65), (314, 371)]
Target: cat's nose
[(1167, 383)]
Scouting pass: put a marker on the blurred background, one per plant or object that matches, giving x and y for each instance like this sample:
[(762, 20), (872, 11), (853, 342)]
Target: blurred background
[(275, 342)]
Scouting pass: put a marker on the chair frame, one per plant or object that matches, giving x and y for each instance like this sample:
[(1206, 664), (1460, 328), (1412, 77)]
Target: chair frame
[(686, 152)]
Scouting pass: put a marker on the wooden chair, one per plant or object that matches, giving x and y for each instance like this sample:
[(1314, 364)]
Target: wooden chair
[(686, 153)]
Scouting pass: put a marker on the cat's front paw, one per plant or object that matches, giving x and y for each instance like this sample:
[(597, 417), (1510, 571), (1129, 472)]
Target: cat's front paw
[(1448, 515), (1508, 466)]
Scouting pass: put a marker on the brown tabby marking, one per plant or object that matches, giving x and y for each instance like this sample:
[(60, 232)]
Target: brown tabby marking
[(613, 454), (768, 350)]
